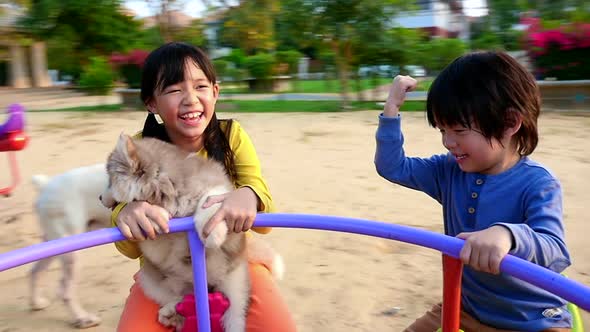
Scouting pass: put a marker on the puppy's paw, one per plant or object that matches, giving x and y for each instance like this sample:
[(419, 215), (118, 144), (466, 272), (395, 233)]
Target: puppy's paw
[(85, 321), (219, 233), (39, 303), (168, 316), (217, 237)]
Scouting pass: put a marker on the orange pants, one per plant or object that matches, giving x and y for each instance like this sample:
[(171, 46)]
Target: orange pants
[(267, 311)]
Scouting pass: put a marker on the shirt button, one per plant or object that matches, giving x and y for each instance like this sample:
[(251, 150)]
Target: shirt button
[(478, 181), (473, 195), (471, 210)]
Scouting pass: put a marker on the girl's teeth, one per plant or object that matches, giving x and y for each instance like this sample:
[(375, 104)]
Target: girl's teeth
[(191, 115)]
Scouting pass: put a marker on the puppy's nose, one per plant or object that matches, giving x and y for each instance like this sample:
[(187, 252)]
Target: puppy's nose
[(100, 197)]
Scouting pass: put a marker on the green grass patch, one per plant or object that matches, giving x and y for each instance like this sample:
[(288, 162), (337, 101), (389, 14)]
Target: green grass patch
[(278, 106), (333, 86), (267, 106), (99, 108), (312, 86)]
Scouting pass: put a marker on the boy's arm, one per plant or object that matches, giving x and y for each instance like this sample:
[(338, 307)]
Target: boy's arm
[(126, 247), (424, 174), (540, 239), (390, 160)]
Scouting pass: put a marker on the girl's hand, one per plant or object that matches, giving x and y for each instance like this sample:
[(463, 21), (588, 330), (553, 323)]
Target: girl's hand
[(397, 94), (238, 209), (484, 250), (136, 217)]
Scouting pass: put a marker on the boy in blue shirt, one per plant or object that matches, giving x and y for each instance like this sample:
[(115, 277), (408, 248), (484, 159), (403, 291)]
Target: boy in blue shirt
[(499, 201)]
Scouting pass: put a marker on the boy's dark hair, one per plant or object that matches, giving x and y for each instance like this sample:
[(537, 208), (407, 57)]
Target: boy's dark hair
[(165, 66), (488, 90)]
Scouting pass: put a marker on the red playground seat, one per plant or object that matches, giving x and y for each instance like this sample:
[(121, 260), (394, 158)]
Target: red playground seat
[(13, 138)]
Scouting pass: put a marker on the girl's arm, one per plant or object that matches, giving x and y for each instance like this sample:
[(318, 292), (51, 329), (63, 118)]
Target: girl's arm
[(248, 169), (252, 195), (126, 247)]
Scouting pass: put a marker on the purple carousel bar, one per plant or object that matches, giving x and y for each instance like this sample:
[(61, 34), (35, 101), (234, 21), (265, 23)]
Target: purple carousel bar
[(555, 283)]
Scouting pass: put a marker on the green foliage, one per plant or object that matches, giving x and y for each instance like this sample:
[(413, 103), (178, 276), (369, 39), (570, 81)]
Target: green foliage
[(293, 27), (221, 67), (131, 75), (486, 41), (260, 66), (250, 26), (193, 34), (442, 51), (148, 39), (237, 57), (404, 47), (291, 58), (97, 77), (77, 30), (61, 54), (513, 40)]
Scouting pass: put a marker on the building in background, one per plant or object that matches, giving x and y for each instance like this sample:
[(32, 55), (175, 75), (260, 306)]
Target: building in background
[(23, 61), (445, 19)]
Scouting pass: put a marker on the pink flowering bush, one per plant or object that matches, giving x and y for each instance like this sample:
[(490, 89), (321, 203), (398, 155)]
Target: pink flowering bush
[(563, 53), (129, 66)]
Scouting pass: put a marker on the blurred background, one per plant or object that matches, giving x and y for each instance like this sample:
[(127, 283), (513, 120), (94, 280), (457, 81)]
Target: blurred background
[(347, 48), (279, 56)]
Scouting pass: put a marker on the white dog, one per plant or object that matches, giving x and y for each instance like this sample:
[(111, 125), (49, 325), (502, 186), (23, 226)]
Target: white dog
[(69, 204)]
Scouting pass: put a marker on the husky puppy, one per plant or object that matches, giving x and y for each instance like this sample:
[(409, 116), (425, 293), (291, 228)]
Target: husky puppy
[(160, 173)]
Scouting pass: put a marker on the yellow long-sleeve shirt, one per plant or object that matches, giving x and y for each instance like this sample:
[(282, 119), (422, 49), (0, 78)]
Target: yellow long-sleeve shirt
[(248, 174)]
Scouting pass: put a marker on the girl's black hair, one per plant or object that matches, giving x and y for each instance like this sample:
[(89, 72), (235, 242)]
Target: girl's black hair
[(489, 90), (165, 66)]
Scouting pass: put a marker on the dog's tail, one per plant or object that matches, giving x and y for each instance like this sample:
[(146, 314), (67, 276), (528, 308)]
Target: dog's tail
[(40, 180), (260, 252)]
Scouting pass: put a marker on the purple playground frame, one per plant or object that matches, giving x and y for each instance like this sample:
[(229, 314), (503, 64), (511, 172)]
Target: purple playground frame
[(555, 283)]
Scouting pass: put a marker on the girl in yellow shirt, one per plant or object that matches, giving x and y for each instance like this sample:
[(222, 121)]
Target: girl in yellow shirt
[(179, 84)]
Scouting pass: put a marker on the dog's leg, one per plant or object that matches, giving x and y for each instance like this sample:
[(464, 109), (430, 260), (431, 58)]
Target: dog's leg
[(202, 216), (168, 316), (82, 319), (236, 286), (160, 289), (38, 302)]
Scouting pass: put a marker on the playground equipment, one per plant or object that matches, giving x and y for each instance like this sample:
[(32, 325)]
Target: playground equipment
[(13, 138), (568, 289)]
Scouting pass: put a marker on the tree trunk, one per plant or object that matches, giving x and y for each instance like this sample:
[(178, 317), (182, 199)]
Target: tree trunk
[(342, 69)]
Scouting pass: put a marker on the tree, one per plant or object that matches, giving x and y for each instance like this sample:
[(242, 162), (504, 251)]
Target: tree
[(250, 26), (75, 31), (442, 51), (342, 26)]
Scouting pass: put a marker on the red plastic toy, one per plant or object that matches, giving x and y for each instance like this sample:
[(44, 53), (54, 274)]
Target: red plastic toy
[(13, 138), (218, 304)]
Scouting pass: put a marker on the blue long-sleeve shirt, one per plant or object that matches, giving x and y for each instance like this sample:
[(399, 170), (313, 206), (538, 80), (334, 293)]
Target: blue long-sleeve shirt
[(526, 199)]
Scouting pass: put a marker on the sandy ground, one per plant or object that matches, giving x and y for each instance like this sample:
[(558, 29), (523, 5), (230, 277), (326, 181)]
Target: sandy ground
[(314, 163)]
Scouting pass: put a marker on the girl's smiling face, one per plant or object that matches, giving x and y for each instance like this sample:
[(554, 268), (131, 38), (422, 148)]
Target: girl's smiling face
[(186, 107)]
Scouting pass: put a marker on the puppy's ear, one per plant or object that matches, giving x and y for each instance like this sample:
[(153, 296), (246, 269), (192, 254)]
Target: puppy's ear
[(131, 149), (127, 147)]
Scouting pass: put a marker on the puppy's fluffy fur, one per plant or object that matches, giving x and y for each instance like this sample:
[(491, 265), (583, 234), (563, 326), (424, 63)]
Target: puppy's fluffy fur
[(162, 174), (68, 204)]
